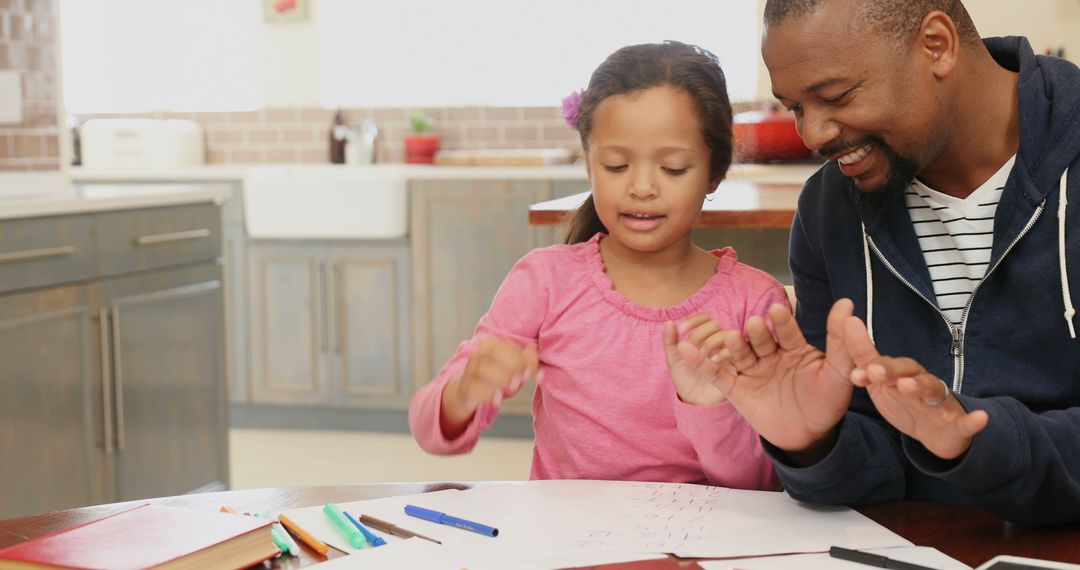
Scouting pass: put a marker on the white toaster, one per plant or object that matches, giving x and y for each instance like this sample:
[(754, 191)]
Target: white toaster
[(127, 144)]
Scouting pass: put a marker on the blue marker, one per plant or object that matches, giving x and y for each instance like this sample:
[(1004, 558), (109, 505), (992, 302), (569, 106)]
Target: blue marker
[(443, 518), (371, 537)]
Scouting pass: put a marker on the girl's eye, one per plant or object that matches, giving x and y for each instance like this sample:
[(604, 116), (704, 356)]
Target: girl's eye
[(615, 167), (676, 171)]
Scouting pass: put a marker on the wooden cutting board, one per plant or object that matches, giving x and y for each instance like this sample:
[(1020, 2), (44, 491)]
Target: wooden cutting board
[(505, 157)]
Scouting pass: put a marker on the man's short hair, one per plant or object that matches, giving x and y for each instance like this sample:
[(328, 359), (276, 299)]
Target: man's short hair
[(899, 19)]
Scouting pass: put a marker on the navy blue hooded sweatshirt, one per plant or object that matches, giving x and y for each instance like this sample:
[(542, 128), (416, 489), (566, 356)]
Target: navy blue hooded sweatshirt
[(1014, 356)]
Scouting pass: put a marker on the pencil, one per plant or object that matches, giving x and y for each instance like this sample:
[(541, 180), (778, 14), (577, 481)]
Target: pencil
[(392, 528), (304, 536)]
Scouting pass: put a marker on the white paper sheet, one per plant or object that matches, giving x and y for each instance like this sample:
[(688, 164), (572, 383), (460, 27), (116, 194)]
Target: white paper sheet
[(539, 518), (925, 556)]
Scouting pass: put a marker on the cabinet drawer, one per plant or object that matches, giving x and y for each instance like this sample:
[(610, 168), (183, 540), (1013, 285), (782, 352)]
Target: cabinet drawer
[(36, 252), (134, 240)]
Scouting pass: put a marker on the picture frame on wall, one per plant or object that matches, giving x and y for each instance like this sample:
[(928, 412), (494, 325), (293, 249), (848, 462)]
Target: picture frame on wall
[(286, 11)]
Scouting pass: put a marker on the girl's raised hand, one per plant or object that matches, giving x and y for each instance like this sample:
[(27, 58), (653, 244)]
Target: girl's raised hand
[(497, 368), (694, 375)]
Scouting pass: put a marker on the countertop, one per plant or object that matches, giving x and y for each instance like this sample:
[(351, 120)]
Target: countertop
[(82, 198), (735, 204), (780, 173)]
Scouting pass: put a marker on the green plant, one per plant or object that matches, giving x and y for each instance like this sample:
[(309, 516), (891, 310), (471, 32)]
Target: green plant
[(421, 122)]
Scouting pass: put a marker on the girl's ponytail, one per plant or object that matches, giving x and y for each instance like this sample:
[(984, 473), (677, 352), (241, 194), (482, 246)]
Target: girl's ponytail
[(584, 223)]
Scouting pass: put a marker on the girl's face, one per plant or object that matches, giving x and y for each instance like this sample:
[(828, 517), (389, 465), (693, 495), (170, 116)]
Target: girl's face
[(649, 168)]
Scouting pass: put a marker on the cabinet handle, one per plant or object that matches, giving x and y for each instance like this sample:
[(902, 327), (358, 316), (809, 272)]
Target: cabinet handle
[(106, 380), (332, 308), (175, 236), (29, 254), (320, 315), (119, 376)]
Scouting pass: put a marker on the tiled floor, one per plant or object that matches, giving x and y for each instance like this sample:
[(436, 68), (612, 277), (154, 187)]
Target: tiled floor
[(343, 457)]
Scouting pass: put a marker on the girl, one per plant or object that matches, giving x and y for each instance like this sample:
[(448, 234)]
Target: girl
[(593, 321)]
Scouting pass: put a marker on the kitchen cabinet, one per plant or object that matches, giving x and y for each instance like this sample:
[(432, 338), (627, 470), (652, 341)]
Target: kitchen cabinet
[(329, 323), (50, 419), (466, 236), (165, 346), (113, 380)]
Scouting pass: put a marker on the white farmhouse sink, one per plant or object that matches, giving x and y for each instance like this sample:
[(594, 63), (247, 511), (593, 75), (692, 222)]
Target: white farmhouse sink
[(326, 202)]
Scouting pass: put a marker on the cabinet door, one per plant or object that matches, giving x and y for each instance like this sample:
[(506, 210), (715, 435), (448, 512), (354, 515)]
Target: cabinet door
[(48, 424), (236, 340), (466, 237), (288, 323), (166, 339), (369, 291)]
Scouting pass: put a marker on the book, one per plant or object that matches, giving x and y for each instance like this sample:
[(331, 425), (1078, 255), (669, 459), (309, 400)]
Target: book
[(149, 536)]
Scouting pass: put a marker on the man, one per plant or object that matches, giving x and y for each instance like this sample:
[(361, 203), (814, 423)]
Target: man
[(940, 221)]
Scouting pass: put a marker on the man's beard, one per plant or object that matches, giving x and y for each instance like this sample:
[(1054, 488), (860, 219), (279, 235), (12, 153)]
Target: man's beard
[(902, 171)]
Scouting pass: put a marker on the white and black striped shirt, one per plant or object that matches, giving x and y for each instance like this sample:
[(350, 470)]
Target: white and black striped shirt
[(956, 237)]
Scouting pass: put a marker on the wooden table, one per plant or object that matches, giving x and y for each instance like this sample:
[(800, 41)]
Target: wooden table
[(967, 534), (735, 204)]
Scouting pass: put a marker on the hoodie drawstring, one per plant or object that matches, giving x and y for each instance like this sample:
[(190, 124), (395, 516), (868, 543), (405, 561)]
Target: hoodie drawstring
[(869, 283), (1066, 297)]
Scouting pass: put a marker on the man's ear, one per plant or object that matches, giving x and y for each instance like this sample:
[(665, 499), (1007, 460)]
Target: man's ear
[(938, 43)]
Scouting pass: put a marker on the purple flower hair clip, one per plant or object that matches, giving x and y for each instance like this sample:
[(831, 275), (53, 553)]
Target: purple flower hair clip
[(571, 108)]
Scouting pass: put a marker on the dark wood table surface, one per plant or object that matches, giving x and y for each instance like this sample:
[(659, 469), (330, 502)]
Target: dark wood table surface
[(967, 534)]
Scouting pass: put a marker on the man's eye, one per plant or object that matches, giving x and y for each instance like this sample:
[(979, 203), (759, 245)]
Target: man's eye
[(837, 99)]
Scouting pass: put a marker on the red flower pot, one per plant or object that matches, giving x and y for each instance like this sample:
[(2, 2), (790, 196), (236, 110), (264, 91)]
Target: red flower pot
[(420, 149)]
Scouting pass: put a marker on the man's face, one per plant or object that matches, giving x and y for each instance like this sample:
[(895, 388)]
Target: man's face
[(860, 97)]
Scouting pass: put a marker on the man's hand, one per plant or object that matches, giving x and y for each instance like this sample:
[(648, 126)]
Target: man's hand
[(914, 401), (790, 392)]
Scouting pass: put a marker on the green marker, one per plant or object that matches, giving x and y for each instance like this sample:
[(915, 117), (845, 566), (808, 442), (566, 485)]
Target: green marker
[(281, 538), (347, 529), (275, 533)]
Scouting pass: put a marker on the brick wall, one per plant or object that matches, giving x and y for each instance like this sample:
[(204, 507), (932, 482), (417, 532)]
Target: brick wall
[(28, 44), (302, 135)]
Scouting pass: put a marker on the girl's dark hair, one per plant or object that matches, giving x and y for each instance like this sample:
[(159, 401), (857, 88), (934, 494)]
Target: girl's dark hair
[(686, 67)]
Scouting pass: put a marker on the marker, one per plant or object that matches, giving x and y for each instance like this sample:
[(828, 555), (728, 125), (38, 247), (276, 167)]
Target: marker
[(346, 528), (871, 559), (391, 528), (443, 518), (304, 536), (372, 538), (290, 545), (276, 534)]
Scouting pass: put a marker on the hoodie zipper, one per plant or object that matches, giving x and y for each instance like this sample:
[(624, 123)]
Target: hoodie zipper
[(964, 315), (957, 332)]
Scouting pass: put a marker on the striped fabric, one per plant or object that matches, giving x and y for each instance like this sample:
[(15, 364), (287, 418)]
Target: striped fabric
[(956, 236)]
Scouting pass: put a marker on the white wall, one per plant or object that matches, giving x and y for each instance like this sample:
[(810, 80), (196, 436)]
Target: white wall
[(1049, 24)]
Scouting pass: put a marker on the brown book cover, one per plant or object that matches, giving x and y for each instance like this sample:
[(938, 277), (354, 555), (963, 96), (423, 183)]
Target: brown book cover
[(149, 536)]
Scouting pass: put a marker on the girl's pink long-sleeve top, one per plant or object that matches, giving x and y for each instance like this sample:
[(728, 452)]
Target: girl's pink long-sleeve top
[(606, 407)]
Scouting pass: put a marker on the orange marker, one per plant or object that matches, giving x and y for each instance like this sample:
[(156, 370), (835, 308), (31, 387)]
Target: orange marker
[(304, 536)]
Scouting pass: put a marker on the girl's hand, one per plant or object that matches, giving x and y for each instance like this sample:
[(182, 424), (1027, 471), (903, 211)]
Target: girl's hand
[(692, 376), (496, 368)]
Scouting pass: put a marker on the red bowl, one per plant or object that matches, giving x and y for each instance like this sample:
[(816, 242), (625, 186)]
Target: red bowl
[(763, 136)]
